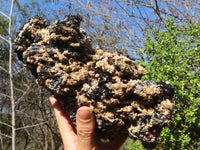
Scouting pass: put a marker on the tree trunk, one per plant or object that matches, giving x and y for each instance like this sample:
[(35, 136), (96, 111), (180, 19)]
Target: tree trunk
[(11, 79)]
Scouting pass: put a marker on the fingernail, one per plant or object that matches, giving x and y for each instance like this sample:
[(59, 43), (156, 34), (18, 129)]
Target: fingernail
[(84, 114)]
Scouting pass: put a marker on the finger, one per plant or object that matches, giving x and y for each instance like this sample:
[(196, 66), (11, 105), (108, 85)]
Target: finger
[(85, 128), (65, 126)]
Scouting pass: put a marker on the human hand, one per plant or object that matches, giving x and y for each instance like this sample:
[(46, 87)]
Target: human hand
[(85, 138)]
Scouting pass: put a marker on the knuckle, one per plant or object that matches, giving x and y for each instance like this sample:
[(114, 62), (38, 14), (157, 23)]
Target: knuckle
[(86, 133)]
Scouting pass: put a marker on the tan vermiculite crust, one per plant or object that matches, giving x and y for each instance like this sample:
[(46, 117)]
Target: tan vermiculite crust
[(63, 61)]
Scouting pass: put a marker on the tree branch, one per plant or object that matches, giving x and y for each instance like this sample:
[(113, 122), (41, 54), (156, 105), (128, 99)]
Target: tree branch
[(5, 135), (11, 79), (4, 95), (157, 10), (30, 126), (24, 93), (5, 124), (1, 140), (2, 68), (4, 14), (4, 39)]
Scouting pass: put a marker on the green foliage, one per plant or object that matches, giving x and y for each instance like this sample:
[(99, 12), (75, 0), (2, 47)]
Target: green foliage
[(174, 55), (134, 145)]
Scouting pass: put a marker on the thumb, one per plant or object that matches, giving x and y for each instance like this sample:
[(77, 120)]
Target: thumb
[(85, 128)]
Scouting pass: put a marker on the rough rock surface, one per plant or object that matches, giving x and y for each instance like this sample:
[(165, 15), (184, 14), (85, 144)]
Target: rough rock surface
[(63, 61)]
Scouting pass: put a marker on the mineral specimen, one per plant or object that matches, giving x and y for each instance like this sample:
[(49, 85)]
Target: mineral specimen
[(63, 61)]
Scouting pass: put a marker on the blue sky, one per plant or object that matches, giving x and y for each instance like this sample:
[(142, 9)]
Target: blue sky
[(127, 23)]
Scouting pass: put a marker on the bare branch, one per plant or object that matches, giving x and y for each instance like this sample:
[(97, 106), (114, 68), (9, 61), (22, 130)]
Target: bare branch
[(18, 71), (4, 39), (4, 14), (24, 93), (4, 95), (11, 79), (21, 112), (1, 140), (157, 10), (5, 124), (30, 126), (141, 16), (2, 68), (129, 15), (5, 135)]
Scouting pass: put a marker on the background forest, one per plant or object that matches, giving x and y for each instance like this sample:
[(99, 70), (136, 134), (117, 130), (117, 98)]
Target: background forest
[(161, 35)]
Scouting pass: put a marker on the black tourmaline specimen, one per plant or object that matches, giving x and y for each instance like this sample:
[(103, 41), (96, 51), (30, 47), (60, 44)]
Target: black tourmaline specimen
[(63, 61)]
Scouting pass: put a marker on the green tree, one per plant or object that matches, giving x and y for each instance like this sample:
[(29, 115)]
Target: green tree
[(173, 54)]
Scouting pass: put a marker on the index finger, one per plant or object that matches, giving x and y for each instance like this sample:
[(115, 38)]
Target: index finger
[(65, 126)]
